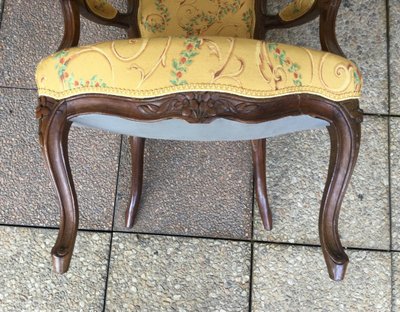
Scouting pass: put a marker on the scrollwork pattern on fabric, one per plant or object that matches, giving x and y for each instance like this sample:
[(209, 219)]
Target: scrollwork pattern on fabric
[(338, 78), (157, 66)]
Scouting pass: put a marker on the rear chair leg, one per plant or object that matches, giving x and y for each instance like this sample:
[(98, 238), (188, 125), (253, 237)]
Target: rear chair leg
[(137, 151), (53, 130), (258, 147)]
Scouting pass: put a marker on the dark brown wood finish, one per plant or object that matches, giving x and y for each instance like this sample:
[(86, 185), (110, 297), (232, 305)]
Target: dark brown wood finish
[(260, 181), (55, 119), (327, 26), (72, 24), (53, 135), (137, 155)]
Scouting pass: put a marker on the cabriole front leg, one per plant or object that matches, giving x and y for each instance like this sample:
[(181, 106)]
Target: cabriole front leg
[(54, 129), (345, 133)]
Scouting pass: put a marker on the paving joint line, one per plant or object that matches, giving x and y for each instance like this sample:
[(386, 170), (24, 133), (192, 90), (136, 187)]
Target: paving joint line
[(228, 239), (18, 88), (112, 227), (389, 77)]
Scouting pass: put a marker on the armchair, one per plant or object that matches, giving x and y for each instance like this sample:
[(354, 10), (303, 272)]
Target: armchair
[(187, 73)]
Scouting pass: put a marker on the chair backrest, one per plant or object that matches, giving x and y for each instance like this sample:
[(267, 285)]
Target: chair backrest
[(159, 18), (233, 18)]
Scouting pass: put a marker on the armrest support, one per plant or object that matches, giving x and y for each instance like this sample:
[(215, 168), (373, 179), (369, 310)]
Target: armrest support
[(98, 11), (296, 13), (72, 24), (327, 29)]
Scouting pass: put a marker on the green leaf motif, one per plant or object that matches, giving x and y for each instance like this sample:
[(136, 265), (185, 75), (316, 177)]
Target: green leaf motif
[(180, 65), (281, 55)]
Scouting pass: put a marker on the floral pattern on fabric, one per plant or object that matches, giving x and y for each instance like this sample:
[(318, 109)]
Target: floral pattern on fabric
[(68, 79), (157, 22), (151, 67), (180, 65), (196, 18), (248, 19), (296, 9), (285, 61), (102, 8)]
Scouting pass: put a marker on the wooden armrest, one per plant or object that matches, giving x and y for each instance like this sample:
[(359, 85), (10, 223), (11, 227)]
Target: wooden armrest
[(98, 11), (296, 13), (327, 26), (72, 24)]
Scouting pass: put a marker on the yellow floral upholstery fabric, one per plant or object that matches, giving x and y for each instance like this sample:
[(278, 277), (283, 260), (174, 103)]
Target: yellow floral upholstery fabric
[(161, 18), (102, 8), (157, 66), (296, 9)]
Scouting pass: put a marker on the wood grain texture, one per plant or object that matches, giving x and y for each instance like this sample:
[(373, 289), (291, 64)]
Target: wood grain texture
[(260, 181), (137, 155)]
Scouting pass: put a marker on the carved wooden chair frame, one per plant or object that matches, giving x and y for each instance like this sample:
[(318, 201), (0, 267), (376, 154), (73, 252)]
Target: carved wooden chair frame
[(344, 120)]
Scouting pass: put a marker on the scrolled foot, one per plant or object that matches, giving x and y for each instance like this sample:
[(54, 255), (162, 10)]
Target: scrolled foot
[(130, 215), (344, 131), (337, 269), (61, 260)]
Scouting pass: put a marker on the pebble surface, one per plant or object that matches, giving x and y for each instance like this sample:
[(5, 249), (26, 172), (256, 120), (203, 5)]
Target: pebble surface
[(27, 282), (395, 179), (290, 278), (396, 281), (191, 188), (177, 274), (27, 196)]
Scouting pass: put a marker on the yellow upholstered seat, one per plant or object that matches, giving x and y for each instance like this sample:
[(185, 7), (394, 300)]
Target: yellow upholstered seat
[(157, 66)]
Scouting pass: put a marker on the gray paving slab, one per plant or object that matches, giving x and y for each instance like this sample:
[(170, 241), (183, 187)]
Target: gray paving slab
[(396, 281), (297, 165), (395, 180), (26, 192), (361, 32), (177, 274), (294, 278), (394, 50), (191, 188), (28, 35), (27, 282)]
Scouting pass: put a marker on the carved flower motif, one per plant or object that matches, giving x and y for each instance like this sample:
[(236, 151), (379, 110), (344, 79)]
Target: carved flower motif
[(198, 109)]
